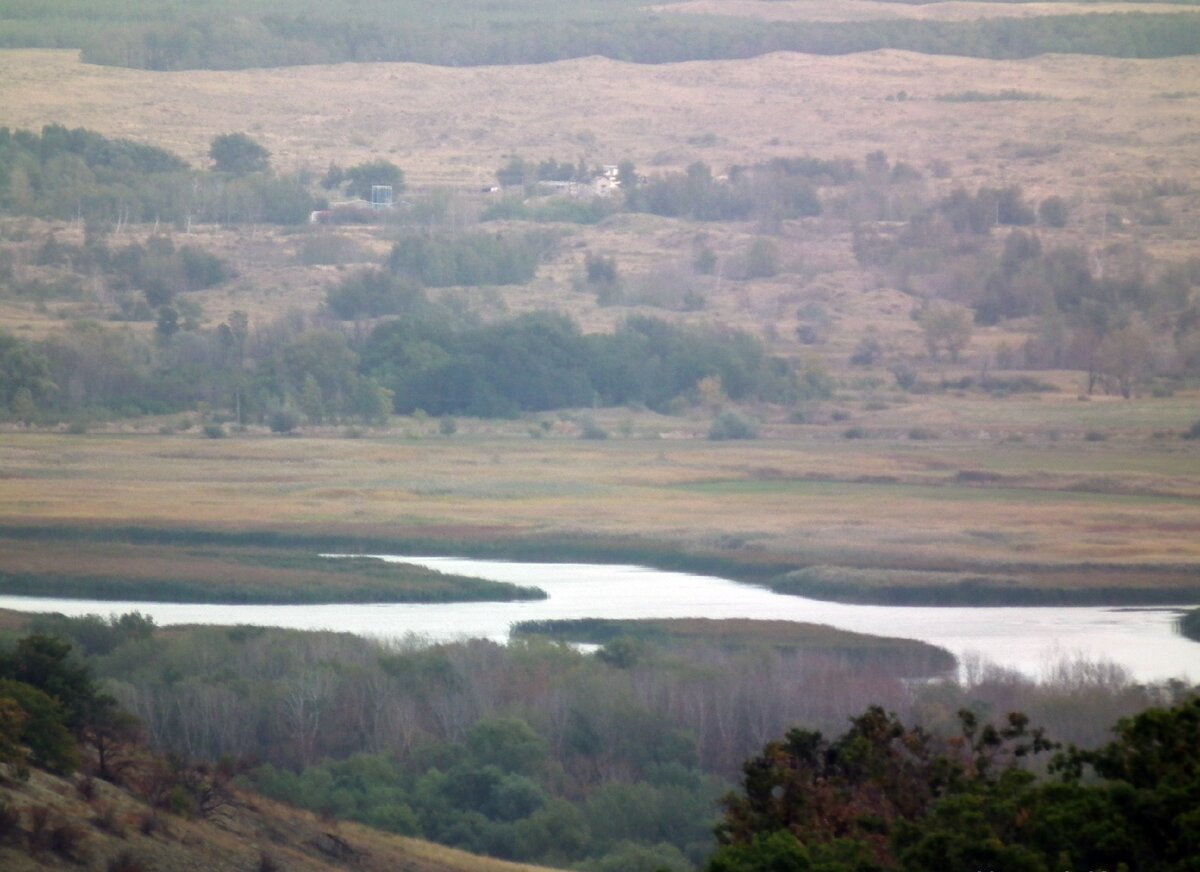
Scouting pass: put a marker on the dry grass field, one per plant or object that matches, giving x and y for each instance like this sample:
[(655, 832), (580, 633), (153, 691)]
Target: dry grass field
[(1103, 121), (1052, 508), (1046, 481), (1100, 129)]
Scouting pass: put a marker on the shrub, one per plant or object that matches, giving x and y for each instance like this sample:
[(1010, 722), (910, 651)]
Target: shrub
[(1193, 432), (283, 421), (1094, 436), (329, 248), (38, 834), (86, 787), (761, 260), (108, 820), (67, 840), (214, 431), (126, 861), (1053, 211), (10, 823), (589, 429), (732, 425), (237, 153), (854, 433), (149, 823)]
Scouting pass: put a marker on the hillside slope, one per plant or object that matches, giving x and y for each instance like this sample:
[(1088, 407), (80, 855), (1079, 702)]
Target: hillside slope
[(113, 829)]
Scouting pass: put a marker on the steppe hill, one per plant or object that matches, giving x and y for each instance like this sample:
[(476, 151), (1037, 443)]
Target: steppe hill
[(1089, 156)]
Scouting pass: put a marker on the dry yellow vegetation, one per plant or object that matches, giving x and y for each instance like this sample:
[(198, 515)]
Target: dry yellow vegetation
[(1110, 119), (1047, 496), (973, 497), (250, 832)]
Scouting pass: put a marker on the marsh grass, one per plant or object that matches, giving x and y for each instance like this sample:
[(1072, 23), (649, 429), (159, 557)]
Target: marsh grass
[(111, 566), (1019, 585), (896, 656), (1115, 515)]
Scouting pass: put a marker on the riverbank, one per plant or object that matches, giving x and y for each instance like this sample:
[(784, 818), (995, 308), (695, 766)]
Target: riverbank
[(264, 565), (125, 565), (881, 519)]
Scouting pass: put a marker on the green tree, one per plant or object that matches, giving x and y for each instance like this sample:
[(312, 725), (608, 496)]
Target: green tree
[(24, 378), (1054, 212), (362, 177), (1126, 356), (946, 329), (37, 722), (238, 154)]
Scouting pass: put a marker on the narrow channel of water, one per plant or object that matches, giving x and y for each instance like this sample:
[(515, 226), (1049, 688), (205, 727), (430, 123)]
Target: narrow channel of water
[(1029, 639)]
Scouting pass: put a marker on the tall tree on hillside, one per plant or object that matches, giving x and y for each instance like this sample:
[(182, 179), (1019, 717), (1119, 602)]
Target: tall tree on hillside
[(237, 153)]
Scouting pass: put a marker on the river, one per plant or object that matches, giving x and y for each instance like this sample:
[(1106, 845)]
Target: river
[(1029, 639)]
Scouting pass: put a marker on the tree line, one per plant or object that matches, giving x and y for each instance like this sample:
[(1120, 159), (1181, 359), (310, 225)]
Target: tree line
[(79, 174), (282, 39), (294, 371)]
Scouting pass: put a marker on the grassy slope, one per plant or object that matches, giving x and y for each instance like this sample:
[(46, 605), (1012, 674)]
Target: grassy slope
[(232, 840), (782, 104)]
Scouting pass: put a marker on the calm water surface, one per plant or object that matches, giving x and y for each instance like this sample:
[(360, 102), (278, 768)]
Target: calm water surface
[(1030, 639)]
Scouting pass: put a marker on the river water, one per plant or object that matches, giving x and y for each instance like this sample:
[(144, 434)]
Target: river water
[(1028, 639)]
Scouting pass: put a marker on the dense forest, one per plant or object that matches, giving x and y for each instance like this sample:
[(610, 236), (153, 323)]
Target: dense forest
[(613, 761)]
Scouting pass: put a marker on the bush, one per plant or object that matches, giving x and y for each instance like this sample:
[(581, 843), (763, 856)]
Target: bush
[(329, 248), (237, 153), (126, 861), (49, 830), (1193, 432), (86, 788), (10, 823), (373, 293), (470, 259), (214, 431), (283, 421), (732, 425), (1053, 211), (761, 260), (108, 820), (589, 429)]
